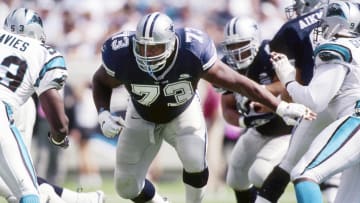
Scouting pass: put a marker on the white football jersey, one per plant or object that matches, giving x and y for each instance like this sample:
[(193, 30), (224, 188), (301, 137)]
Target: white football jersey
[(344, 51), (28, 66)]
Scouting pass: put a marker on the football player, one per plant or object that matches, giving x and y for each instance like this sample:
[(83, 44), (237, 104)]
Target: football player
[(296, 40), (336, 68), (28, 23), (160, 67), (28, 66), (265, 141)]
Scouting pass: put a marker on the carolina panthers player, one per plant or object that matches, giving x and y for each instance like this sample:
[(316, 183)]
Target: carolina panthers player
[(336, 68), (28, 66), (296, 40), (28, 23), (264, 143), (161, 67)]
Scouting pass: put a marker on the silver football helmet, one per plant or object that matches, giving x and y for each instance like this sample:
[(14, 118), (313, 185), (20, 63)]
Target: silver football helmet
[(300, 7), (340, 17), (25, 22), (154, 42), (241, 41)]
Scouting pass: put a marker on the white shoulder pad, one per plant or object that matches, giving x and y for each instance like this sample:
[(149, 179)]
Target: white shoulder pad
[(327, 52), (52, 75)]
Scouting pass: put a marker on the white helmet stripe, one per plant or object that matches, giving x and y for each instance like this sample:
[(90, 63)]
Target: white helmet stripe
[(149, 24), (232, 29)]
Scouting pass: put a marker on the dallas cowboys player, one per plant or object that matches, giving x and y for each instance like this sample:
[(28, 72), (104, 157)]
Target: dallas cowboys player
[(160, 67), (264, 143), (336, 68), (25, 116), (28, 66), (295, 39)]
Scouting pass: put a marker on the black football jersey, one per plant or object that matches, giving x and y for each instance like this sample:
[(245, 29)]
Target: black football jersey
[(160, 100), (261, 71), (295, 39)]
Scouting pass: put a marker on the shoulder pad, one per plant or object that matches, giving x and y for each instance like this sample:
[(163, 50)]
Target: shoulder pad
[(50, 49), (329, 51)]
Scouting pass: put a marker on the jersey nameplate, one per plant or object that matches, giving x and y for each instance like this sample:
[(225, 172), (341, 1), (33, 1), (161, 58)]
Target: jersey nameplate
[(310, 20)]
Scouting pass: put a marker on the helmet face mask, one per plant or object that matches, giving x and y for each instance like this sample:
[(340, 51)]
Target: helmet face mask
[(301, 7), (154, 42), (242, 41), (25, 22)]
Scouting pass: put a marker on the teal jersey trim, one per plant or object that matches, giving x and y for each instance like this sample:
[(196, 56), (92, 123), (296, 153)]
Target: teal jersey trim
[(338, 139), (324, 52)]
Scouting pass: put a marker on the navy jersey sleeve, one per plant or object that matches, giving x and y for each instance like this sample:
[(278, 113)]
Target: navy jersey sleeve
[(202, 46), (113, 50)]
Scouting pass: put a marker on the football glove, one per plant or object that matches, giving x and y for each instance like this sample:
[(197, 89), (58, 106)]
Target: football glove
[(255, 120), (110, 125), (242, 104), (63, 143), (291, 112), (284, 70)]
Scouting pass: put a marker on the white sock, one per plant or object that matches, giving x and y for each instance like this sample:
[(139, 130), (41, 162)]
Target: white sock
[(12, 199), (47, 194), (4, 190), (330, 194), (157, 199), (260, 199), (193, 194), (69, 196)]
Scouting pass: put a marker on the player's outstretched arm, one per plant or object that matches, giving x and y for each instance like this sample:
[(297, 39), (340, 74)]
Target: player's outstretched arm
[(53, 106), (103, 85), (223, 76)]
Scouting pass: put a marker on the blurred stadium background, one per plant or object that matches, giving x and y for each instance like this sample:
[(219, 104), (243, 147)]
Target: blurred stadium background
[(78, 28)]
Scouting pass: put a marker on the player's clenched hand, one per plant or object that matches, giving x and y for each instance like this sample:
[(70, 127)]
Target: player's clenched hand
[(284, 70), (110, 125), (291, 112)]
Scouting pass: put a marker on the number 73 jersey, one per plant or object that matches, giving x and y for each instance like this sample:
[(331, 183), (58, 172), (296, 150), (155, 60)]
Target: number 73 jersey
[(161, 96), (27, 66)]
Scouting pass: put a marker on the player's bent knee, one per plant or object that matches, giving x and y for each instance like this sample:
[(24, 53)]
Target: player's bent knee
[(298, 176), (196, 180), (237, 178), (127, 187), (259, 171)]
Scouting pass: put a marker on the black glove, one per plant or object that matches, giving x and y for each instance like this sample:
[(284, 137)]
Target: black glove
[(255, 120), (63, 144)]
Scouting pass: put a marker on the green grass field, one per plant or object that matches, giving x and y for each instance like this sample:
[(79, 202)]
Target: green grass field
[(174, 190)]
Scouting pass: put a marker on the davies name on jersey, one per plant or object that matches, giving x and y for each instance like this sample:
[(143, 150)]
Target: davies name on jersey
[(12, 41)]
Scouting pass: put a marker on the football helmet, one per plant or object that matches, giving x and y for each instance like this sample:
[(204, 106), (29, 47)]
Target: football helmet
[(339, 16), (154, 42), (241, 41), (300, 7), (25, 22)]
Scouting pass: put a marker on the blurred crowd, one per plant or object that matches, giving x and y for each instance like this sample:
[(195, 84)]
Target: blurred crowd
[(77, 28)]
